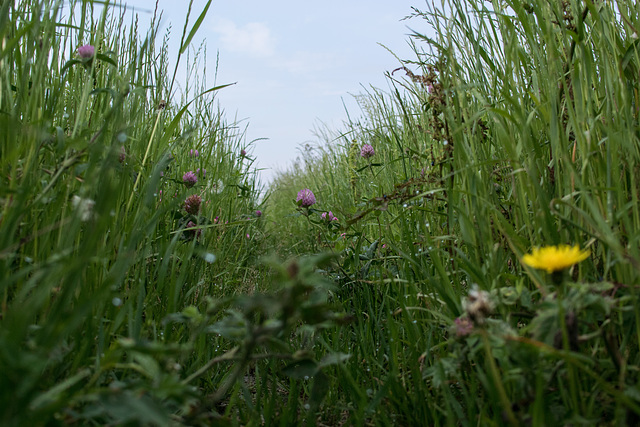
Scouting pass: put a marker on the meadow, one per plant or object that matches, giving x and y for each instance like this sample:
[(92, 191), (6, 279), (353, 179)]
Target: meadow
[(464, 251)]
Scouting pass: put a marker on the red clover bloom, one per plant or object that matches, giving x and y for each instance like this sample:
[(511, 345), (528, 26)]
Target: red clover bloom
[(463, 326), (258, 213), (87, 51), (328, 216), (305, 198), (197, 232), (367, 151), (192, 204), (189, 179)]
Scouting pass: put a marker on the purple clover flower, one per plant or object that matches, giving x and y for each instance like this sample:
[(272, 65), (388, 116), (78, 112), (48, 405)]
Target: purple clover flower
[(328, 216), (194, 233), (258, 213), (87, 51), (194, 153), (305, 198), (243, 152), (463, 326), (192, 204), (367, 151), (189, 179)]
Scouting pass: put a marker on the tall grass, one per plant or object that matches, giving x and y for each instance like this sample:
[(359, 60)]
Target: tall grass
[(135, 287), (515, 127), (109, 284)]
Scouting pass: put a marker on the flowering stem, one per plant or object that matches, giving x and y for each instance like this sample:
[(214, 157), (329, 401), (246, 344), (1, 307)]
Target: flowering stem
[(495, 374), (566, 346)]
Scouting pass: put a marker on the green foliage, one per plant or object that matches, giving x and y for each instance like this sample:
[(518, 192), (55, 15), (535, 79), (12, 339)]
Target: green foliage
[(515, 127), (133, 280), (97, 250)]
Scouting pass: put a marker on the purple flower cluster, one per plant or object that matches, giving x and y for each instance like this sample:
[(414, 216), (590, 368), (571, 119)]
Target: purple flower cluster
[(258, 213), (194, 153), (204, 172), (367, 151), (305, 198), (328, 216), (192, 204), (87, 51), (463, 326), (194, 233), (189, 179)]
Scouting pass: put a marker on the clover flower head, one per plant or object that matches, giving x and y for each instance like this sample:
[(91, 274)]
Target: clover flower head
[(243, 152), (463, 326), (305, 198), (328, 216), (194, 153), (555, 258), (87, 51), (258, 213), (189, 179), (367, 151), (192, 204), (194, 233)]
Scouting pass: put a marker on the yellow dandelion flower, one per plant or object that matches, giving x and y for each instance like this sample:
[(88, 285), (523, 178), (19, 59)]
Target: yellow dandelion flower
[(555, 258)]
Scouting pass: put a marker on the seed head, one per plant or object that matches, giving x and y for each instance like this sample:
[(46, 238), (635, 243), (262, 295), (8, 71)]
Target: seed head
[(478, 305)]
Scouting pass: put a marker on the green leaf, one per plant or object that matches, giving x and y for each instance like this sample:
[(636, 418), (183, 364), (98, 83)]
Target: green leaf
[(105, 58), (195, 28), (301, 369), (319, 390), (54, 393), (333, 359)]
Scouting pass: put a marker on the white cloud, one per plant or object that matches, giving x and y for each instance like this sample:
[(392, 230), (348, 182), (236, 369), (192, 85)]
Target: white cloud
[(253, 38)]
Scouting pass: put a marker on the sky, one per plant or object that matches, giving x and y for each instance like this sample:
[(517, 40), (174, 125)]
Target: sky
[(295, 64)]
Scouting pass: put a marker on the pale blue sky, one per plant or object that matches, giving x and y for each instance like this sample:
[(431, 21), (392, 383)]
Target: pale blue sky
[(294, 63)]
